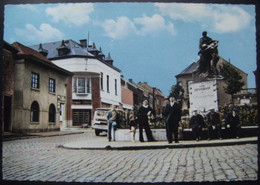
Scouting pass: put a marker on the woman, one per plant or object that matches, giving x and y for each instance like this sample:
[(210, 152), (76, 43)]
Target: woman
[(143, 121)]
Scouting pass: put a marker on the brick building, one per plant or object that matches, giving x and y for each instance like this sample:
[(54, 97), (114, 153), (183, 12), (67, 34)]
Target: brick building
[(154, 96), (132, 94)]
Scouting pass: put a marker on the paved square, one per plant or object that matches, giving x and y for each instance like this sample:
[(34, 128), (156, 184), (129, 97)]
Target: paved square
[(41, 159)]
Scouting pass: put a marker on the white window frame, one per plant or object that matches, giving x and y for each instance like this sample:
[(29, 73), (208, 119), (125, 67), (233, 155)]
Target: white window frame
[(116, 87), (86, 88)]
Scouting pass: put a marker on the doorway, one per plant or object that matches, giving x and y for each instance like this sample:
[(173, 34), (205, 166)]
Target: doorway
[(7, 113)]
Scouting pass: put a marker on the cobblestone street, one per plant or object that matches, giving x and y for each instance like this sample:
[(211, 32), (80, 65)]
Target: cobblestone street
[(41, 159)]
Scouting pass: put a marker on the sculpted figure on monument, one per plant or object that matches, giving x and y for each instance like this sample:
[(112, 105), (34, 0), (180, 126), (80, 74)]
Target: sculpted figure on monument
[(208, 56)]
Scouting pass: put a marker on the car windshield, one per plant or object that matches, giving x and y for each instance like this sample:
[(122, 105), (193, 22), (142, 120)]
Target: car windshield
[(101, 113)]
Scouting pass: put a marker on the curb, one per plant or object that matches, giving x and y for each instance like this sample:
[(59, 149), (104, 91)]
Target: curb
[(195, 145), (35, 136)]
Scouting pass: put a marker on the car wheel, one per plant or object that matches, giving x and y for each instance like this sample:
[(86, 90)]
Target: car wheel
[(97, 132)]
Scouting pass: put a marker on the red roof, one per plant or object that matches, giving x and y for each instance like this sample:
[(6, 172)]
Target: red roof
[(23, 50)]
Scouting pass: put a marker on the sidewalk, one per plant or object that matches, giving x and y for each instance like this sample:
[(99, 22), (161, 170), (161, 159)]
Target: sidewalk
[(101, 143), (8, 136)]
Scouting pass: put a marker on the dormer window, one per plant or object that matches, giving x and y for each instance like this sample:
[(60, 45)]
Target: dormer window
[(63, 49)]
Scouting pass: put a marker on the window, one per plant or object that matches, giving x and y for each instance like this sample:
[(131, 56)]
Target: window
[(101, 80), (188, 86), (51, 85), (81, 85), (52, 113), (35, 80), (115, 86), (61, 111), (88, 85), (107, 83), (34, 112)]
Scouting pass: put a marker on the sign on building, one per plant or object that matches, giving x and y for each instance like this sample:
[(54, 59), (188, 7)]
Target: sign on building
[(203, 96)]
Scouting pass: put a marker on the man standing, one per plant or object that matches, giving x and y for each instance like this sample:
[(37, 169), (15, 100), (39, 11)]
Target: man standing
[(173, 116), (166, 102), (111, 123), (144, 111)]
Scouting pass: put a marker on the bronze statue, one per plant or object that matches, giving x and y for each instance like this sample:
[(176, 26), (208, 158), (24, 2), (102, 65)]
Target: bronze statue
[(208, 56)]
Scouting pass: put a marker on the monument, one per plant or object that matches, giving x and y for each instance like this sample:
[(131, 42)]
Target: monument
[(203, 94), (208, 56)]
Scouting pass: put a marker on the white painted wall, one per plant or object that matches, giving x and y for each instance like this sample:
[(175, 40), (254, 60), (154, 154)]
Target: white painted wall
[(87, 67)]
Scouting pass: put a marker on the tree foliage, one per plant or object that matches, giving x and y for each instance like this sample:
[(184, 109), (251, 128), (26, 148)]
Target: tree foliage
[(177, 92), (232, 79)]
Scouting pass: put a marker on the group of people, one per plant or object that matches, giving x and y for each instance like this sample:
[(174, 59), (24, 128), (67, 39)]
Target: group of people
[(213, 123), (172, 115)]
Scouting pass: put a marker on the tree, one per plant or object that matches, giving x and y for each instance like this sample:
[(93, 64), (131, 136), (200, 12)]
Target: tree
[(177, 92), (232, 79)]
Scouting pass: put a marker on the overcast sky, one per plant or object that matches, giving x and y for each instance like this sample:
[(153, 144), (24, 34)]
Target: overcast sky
[(149, 42)]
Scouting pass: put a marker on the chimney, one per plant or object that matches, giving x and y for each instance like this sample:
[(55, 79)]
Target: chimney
[(131, 80), (83, 43), (44, 52)]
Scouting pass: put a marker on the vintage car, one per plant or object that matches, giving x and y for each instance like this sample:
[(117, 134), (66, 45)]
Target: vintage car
[(100, 119)]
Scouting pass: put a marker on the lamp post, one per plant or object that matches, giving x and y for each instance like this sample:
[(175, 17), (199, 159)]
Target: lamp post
[(154, 100)]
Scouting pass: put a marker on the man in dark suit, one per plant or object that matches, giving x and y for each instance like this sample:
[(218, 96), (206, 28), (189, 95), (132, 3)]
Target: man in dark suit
[(197, 123), (214, 124), (173, 116)]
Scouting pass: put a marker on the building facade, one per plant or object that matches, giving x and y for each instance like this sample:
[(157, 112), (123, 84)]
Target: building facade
[(40, 93), (154, 96), (96, 81), (9, 53), (127, 95)]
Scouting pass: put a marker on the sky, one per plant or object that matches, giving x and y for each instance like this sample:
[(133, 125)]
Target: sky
[(149, 42)]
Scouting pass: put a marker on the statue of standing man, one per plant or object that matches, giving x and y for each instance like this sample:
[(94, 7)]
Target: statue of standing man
[(208, 55)]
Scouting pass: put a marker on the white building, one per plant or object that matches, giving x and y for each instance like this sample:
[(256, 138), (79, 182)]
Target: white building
[(96, 81)]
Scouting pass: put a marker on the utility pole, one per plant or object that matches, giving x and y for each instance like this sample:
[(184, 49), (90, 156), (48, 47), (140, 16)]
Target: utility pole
[(154, 100)]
